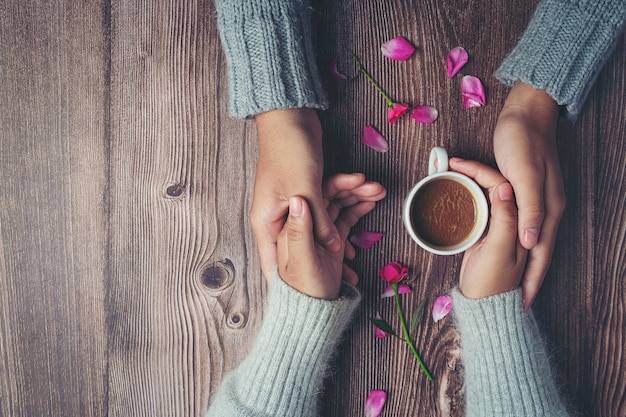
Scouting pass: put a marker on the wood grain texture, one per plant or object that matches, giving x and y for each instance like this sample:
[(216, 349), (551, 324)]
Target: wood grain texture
[(53, 223), (129, 277)]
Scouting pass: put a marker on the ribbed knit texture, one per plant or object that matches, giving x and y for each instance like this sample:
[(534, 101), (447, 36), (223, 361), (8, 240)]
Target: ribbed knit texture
[(271, 60), (284, 372), (507, 371), (564, 48)]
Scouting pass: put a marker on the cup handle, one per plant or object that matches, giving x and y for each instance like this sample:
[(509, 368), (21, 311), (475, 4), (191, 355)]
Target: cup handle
[(440, 156)]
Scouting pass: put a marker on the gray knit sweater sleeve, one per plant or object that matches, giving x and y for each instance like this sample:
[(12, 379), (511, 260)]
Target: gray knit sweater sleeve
[(564, 48), (284, 372), (507, 371), (269, 50)]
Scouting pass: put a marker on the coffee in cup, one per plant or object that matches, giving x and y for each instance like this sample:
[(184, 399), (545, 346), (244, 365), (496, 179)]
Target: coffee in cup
[(446, 212)]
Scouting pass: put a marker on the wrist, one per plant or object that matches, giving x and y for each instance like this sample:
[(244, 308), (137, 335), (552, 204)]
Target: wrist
[(531, 105), (273, 124)]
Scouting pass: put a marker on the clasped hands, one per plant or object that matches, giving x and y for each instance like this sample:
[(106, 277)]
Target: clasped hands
[(527, 200)]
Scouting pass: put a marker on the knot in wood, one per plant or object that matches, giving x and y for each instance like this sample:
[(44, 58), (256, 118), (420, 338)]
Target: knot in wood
[(175, 190), (219, 275)]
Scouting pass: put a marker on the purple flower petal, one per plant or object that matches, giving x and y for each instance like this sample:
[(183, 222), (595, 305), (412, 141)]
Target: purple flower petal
[(398, 49), (375, 403), (332, 68), (425, 114), (457, 58), (373, 139), (365, 239), (441, 307), (393, 272), (473, 92), (402, 289)]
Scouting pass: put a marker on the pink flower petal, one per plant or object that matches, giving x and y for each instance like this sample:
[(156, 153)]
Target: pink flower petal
[(441, 307), (398, 49), (365, 239), (379, 333), (375, 403), (402, 289), (397, 111), (373, 139), (393, 272), (473, 90), (425, 114), (457, 58), (332, 68)]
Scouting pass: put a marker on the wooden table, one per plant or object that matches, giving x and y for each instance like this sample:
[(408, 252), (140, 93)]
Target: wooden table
[(129, 277)]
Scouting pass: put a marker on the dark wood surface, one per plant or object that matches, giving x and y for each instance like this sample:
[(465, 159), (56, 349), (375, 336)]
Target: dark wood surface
[(129, 278)]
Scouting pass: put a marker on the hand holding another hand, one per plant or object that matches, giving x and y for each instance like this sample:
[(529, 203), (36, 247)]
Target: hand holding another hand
[(526, 154), (496, 263), (306, 265)]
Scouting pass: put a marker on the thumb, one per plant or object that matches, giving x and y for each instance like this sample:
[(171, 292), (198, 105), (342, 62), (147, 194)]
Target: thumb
[(503, 224), (299, 233)]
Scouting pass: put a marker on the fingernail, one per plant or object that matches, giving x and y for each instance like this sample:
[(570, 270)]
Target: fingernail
[(333, 245), (505, 193), (530, 236), (295, 207)]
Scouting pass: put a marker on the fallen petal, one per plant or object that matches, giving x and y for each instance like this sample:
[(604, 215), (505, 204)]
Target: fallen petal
[(398, 49), (378, 332), (457, 58), (397, 111), (441, 307), (373, 139), (375, 403), (402, 289), (332, 68), (473, 89), (365, 239), (425, 114)]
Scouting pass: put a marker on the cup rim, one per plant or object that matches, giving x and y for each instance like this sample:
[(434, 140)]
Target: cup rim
[(482, 213)]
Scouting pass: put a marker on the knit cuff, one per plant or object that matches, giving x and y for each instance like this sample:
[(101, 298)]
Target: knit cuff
[(564, 48), (271, 59), (287, 365), (507, 371)]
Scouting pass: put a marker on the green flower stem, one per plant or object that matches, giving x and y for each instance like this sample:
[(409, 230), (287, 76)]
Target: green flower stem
[(390, 102), (409, 341)]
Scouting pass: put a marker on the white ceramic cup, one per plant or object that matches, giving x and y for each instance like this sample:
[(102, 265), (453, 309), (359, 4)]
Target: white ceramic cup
[(438, 170)]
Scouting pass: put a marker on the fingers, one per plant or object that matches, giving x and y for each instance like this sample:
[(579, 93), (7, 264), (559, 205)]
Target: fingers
[(266, 226), (503, 224), (485, 176), (541, 255), (350, 216), (297, 246), (325, 230), (529, 191)]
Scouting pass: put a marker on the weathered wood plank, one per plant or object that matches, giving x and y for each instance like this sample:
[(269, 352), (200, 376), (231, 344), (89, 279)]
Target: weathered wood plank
[(53, 213), (184, 287)]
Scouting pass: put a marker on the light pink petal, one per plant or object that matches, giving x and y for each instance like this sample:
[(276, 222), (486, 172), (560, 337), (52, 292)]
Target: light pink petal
[(456, 59), (397, 111), (332, 68), (373, 139), (402, 289), (441, 307), (425, 114), (375, 403), (365, 239), (380, 334), (473, 89), (398, 49)]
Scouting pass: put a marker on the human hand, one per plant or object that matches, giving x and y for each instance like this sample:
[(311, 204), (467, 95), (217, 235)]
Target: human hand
[(304, 264), (496, 263), (290, 163), (525, 150)]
